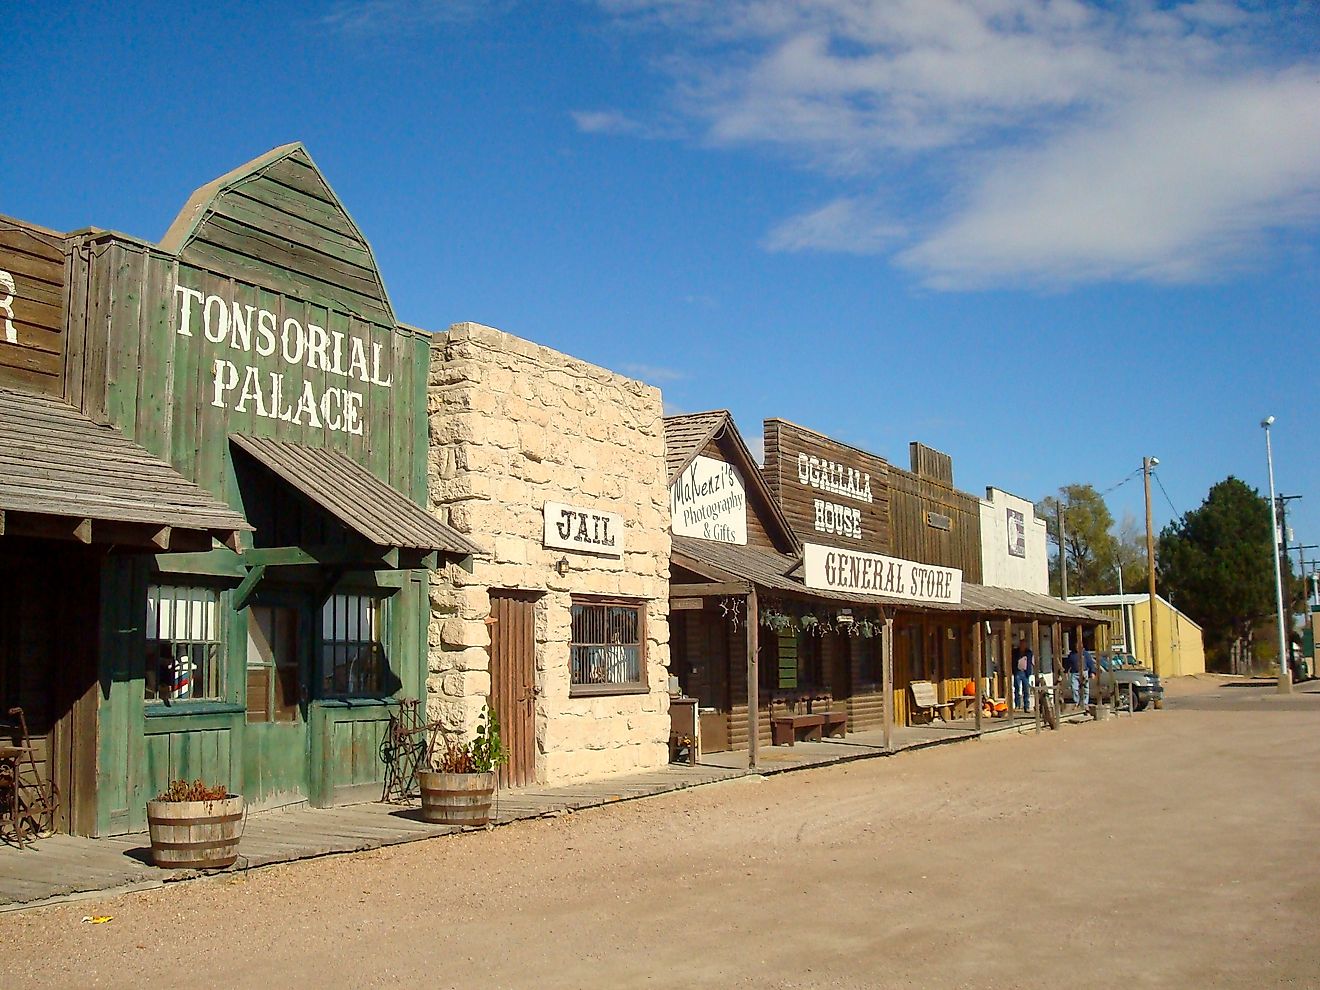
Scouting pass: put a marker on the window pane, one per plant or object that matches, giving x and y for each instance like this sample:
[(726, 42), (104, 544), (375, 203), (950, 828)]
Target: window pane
[(353, 657), (184, 652), (606, 647)]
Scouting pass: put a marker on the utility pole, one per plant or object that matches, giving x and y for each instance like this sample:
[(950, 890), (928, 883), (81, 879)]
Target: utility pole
[(1285, 680), (1063, 552), (1147, 463), (1285, 595)]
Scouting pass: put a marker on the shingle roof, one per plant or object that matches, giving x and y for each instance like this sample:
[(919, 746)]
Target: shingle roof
[(55, 461), (686, 436), (378, 512)]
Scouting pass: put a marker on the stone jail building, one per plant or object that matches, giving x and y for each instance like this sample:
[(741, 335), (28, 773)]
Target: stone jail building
[(555, 469)]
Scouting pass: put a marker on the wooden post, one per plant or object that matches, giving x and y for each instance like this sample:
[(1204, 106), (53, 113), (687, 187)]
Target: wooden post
[(1078, 645), (978, 658), (1035, 662), (887, 679), (1010, 669), (753, 680)]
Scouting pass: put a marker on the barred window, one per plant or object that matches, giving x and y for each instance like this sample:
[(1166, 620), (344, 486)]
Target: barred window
[(606, 653), (185, 655), (353, 658)]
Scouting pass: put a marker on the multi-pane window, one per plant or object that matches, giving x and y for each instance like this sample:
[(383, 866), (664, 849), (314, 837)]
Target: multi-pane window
[(606, 649), (185, 657), (353, 658), (272, 664)]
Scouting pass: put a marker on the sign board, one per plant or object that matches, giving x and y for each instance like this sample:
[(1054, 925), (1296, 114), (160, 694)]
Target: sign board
[(831, 493), (571, 527), (836, 569), (709, 501), (1017, 533), (32, 309)]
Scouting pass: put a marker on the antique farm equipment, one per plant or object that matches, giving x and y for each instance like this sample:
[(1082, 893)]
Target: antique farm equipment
[(405, 750), (195, 834), (28, 800)]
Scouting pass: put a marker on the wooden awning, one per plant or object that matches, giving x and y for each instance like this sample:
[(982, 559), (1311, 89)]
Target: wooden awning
[(378, 512), (64, 476), (778, 572)]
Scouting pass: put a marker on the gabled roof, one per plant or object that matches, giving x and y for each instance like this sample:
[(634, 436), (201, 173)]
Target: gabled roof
[(688, 435), (1113, 601), (376, 511), (276, 222), (54, 461)]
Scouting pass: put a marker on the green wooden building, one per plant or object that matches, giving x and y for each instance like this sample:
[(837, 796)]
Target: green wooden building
[(214, 453)]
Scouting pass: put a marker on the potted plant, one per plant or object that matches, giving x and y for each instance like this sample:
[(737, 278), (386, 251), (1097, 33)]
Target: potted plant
[(195, 826), (460, 786)]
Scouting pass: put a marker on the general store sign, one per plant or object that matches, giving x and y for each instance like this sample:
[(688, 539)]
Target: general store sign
[(837, 569), (252, 341), (571, 527), (709, 501)]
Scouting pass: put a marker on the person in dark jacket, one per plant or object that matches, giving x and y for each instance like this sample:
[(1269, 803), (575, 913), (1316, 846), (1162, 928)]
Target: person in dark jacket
[(1024, 663)]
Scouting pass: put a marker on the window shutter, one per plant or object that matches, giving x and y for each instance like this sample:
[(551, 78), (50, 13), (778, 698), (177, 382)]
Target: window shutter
[(788, 660)]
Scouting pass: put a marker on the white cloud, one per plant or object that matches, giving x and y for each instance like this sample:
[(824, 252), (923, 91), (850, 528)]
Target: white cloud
[(605, 122), (374, 17), (1173, 189), (1048, 141), (654, 373), (846, 224)]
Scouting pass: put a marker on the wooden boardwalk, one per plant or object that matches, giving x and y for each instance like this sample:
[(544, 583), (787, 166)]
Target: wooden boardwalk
[(63, 866)]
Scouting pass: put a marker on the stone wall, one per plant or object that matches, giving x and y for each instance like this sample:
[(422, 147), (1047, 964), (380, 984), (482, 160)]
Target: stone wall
[(512, 426)]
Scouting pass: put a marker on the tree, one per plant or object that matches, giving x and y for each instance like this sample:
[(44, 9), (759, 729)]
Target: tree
[(1090, 549), (1216, 561)]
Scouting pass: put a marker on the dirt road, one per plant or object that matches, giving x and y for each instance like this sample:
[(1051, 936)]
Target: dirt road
[(1173, 849)]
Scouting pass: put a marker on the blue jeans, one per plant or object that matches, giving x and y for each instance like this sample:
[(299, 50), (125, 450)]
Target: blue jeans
[(1075, 684), (1021, 690)]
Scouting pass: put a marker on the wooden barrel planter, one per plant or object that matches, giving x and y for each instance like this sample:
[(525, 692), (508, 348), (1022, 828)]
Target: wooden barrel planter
[(457, 798), (195, 835)]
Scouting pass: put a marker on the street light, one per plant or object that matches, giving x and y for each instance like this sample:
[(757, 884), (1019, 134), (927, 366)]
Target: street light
[(1147, 465), (1285, 681)]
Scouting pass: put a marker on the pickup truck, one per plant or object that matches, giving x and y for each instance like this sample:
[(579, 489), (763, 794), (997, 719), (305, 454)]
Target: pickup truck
[(1124, 675)]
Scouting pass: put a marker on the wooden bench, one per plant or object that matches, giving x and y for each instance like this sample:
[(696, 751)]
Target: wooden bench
[(926, 701), (836, 724), (785, 727)]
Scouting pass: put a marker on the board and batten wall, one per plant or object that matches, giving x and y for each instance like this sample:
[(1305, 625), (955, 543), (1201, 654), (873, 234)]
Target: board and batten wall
[(166, 343), (934, 522)]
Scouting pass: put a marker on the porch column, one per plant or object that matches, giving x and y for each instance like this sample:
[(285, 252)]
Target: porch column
[(753, 679), (1079, 645), (1010, 670), (887, 679), (978, 671)]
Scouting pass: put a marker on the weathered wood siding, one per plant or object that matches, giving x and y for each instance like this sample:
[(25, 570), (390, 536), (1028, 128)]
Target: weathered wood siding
[(912, 499), (784, 442), (758, 532), (33, 303)]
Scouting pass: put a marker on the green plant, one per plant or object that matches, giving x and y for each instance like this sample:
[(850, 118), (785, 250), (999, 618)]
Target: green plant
[(483, 753), (198, 790)]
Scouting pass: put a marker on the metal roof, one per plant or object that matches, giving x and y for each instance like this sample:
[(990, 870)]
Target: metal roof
[(55, 461), (377, 511)]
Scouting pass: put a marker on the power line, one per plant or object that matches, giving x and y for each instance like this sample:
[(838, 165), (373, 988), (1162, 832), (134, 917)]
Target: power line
[(1176, 513)]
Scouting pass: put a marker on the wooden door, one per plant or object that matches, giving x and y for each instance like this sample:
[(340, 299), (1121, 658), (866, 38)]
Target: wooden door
[(513, 681)]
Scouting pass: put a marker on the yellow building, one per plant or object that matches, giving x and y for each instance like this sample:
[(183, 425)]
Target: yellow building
[(1181, 647)]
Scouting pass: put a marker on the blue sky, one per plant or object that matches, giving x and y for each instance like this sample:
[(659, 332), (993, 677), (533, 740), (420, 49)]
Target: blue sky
[(1046, 237)]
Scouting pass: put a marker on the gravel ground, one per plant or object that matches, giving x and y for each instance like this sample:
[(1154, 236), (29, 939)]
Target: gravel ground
[(1173, 849)]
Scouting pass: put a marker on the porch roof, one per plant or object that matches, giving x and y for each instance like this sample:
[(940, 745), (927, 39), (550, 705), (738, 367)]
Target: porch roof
[(376, 511), (781, 572), (57, 463)]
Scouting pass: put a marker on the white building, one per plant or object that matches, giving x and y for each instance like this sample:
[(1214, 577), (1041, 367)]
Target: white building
[(1014, 553)]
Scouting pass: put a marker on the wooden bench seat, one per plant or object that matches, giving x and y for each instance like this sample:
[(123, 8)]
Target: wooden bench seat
[(784, 728), (926, 702), (836, 724)]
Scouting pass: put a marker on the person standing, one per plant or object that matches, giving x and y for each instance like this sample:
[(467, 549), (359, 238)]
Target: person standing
[(1073, 665), (1088, 672), (1022, 666)]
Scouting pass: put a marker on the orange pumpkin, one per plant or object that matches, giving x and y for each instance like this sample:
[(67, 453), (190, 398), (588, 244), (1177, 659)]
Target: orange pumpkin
[(1001, 707), (969, 690)]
